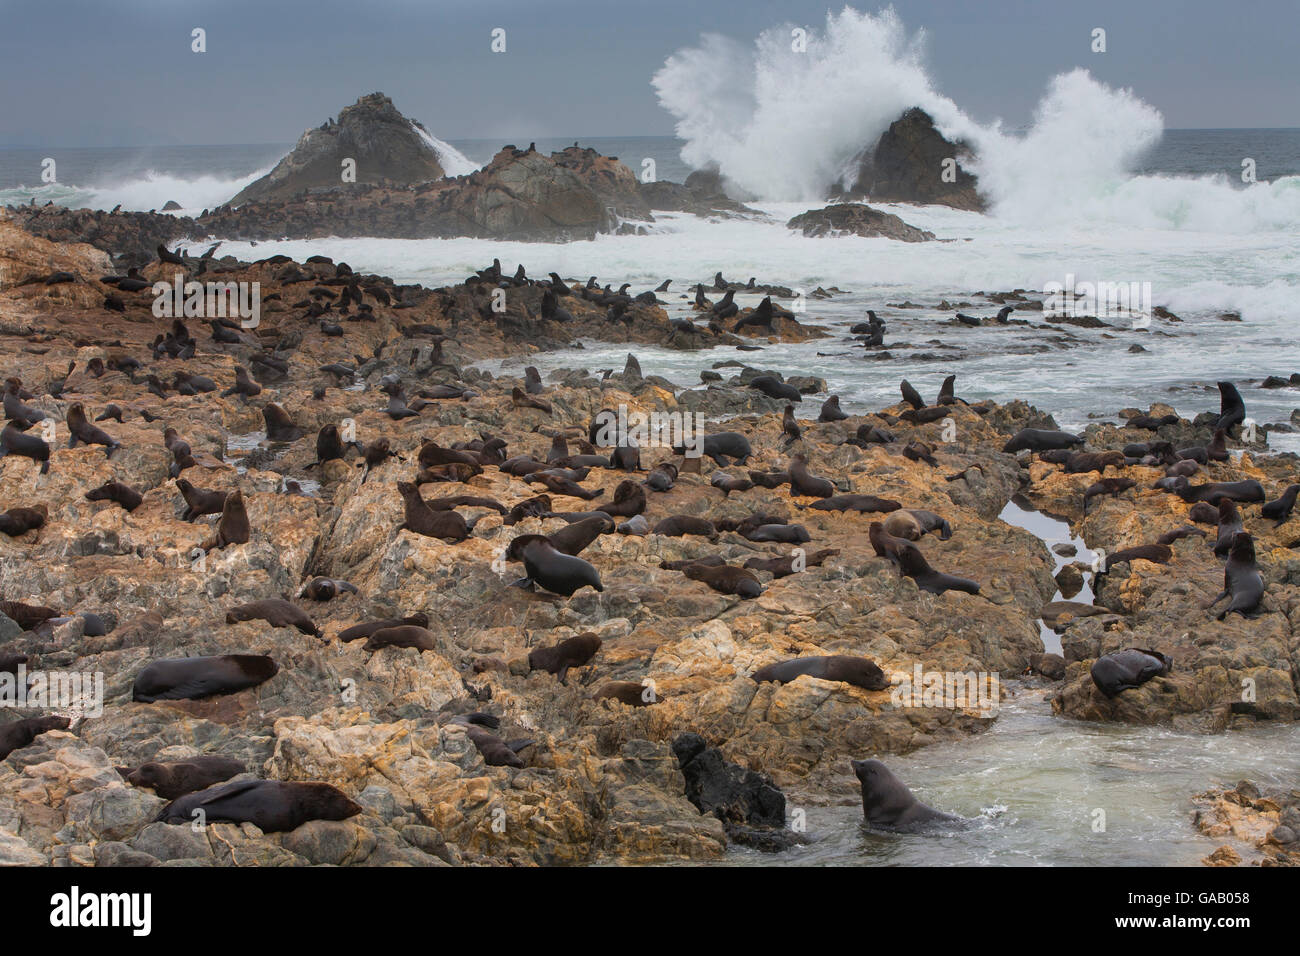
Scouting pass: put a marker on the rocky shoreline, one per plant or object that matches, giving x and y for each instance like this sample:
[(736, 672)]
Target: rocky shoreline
[(602, 779)]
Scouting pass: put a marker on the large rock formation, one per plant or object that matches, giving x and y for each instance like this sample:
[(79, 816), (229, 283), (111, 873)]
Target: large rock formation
[(612, 181), (386, 146), (859, 220), (907, 165)]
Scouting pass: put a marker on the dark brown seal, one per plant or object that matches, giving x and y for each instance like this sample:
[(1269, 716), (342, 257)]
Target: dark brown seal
[(805, 484), (420, 518), (81, 430), (559, 658), (199, 501), (20, 733), (403, 635), (233, 527), (273, 806), (117, 492), (725, 579), (358, 631), (175, 778), (275, 611), (191, 678), (858, 671), (17, 521)]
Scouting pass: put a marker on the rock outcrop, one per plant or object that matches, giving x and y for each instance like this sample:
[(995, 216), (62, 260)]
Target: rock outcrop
[(384, 145), (856, 219), (908, 164)]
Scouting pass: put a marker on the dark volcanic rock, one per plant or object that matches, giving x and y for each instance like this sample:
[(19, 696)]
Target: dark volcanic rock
[(132, 235), (386, 146), (858, 219), (907, 165), (749, 804)]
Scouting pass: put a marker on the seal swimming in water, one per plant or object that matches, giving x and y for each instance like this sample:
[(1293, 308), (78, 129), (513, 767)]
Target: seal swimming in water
[(175, 778), (1241, 578), (273, 806), (887, 804), (858, 671), (191, 678), (544, 565)]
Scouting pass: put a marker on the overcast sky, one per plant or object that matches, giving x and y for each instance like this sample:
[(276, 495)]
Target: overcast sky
[(97, 73)]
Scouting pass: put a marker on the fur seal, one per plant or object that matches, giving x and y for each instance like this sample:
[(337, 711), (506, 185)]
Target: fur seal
[(421, 519), (1229, 525), (273, 806), (494, 751), (279, 426), (831, 411), (1203, 513), (14, 442), (200, 502), (1186, 531), (858, 671), (574, 538), (772, 388), (117, 492), (632, 693), (860, 503), (233, 527), (778, 533), (887, 804), (363, 630), (727, 483), (559, 658), (175, 778), (544, 565), (326, 589), (403, 635), (784, 567), (81, 430), (1124, 670), (18, 521), (1232, 410), (661, 477), (725, 579), (629, 501), (1241, 578), (26, 616), (911, 395), (1213, 492), (902, 524), (913, 564), (275, 611), (805, 484), (1038, 439), (677, 526), (20, 733), (1280, 509), (191, 678)]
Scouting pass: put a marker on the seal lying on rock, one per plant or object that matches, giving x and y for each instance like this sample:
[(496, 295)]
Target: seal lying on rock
[(887, 804), (273, 806), (1124, 670), (175, 778), (190, 678), (858, 671)]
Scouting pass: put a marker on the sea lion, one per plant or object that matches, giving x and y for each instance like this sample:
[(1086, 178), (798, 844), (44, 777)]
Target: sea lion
[(725, 579), (632, 693), (26, 616), (117, 492), (363, 630), (199, 501), (273, 806), (279, 426), (559, 658), (784, 567), (902, 524), (920, 451), (1038, 439), (18, 734), (1241, 578), (232, 527), (275, 611), (805, 484), (858, 671), (677, 526), (18, 521), (175, 778), (860, 503), (557, 485), (1229, 525), (81, 430), (637, 526), (887, 804), (1232, 410), (191, 678), (326, 589), (1279, 510), (574, 538), (913, 564), (544, 565), (403, 635), (778, 533), (421, 519), (1126, 669), (831, 411), (14, 442)]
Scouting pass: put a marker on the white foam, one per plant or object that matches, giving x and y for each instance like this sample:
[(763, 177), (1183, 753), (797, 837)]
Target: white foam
[(453, 161)]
